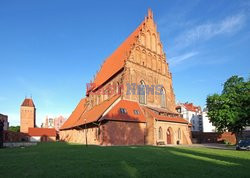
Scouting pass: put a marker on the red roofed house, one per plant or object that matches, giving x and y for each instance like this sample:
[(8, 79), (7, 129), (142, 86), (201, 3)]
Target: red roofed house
[(122, 107), (192, 114), (42, 134)]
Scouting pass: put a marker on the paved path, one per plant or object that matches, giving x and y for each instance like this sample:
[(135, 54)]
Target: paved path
[(213, 145), (205, 145)]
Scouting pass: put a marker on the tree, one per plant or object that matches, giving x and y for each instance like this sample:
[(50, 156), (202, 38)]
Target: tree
[(230, 111), (14, 128)]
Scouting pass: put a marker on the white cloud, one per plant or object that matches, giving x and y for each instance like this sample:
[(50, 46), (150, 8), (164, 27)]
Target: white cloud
[(207, 31), (181, 58)]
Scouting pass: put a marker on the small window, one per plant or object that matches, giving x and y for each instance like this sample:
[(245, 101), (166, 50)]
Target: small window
[(136, 112), (123, 111)]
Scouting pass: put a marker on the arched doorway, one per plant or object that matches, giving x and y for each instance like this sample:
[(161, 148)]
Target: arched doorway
[(169, 136)]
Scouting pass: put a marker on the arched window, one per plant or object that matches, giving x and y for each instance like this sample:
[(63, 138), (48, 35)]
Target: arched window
[(142, 93), (160, 133), (179, 133), (163, 98)]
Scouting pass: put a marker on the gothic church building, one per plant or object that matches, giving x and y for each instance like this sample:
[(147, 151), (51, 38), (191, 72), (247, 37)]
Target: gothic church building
[(124, 116)]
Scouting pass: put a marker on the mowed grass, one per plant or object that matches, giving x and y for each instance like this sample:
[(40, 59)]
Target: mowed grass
[(69, 160)]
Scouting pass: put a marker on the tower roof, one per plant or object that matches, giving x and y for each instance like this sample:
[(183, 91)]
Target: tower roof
[(28, 102), (116, 61)]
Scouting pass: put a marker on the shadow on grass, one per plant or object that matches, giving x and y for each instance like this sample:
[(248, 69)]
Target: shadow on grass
[(74, 160)]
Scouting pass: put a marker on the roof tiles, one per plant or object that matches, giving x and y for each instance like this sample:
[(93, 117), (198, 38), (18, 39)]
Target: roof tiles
[(80, 108), (131, 109), (42, 132), (167, 118), (28, 102)]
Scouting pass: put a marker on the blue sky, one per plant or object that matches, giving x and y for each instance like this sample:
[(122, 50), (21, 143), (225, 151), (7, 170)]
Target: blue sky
[(51, 49)]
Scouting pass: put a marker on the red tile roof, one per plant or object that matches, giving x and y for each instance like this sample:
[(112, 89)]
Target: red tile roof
[(191, 107), (167, 118), (77, 118), (28, 102), (79, 110), (161, 110), (96, 112), (130, 106), (42, 132)]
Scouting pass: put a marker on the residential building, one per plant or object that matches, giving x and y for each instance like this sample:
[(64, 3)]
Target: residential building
[(207, 125), (192, 113)]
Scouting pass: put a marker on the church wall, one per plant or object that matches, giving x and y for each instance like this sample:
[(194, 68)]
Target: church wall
[(122, 133), (111, 87), (136, 73), (79, 136), (184, 136), (150, 128)]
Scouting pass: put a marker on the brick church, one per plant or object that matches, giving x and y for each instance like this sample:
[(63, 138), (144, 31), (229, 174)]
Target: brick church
[(141, 108)]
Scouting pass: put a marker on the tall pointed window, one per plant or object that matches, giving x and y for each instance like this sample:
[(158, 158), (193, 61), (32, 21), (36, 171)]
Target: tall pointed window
[(179, 133), (163, 98), (142, 93), (160, 133)]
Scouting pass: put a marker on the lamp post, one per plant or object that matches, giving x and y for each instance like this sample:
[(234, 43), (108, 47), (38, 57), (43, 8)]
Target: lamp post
[(86, 133)]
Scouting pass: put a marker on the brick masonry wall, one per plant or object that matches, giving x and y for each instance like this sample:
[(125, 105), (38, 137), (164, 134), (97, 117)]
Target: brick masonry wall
[(9, 136), (79, 136), (174, 127), (213, 137), (122, 133), (28, 118)]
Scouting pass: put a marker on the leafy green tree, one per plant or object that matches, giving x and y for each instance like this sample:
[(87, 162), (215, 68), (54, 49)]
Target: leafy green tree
[(230, 111), (14, 128)]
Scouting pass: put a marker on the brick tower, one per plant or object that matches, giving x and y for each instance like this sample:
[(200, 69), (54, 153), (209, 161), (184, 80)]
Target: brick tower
[(27, 115)]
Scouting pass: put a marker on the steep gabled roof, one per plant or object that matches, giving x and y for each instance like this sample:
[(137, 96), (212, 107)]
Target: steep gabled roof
[(161, 110), (28, 102), (166, 118), (190, 107), (96, 112), (81, 115), (80, 108), (130, 115)]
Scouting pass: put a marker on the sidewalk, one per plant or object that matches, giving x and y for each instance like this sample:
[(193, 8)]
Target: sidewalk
[(213, 145)]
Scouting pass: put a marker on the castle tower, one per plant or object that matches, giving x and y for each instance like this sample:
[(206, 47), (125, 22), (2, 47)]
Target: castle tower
[(27, 115)]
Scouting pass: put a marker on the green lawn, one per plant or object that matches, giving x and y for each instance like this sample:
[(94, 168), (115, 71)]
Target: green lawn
[(65, 160)]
